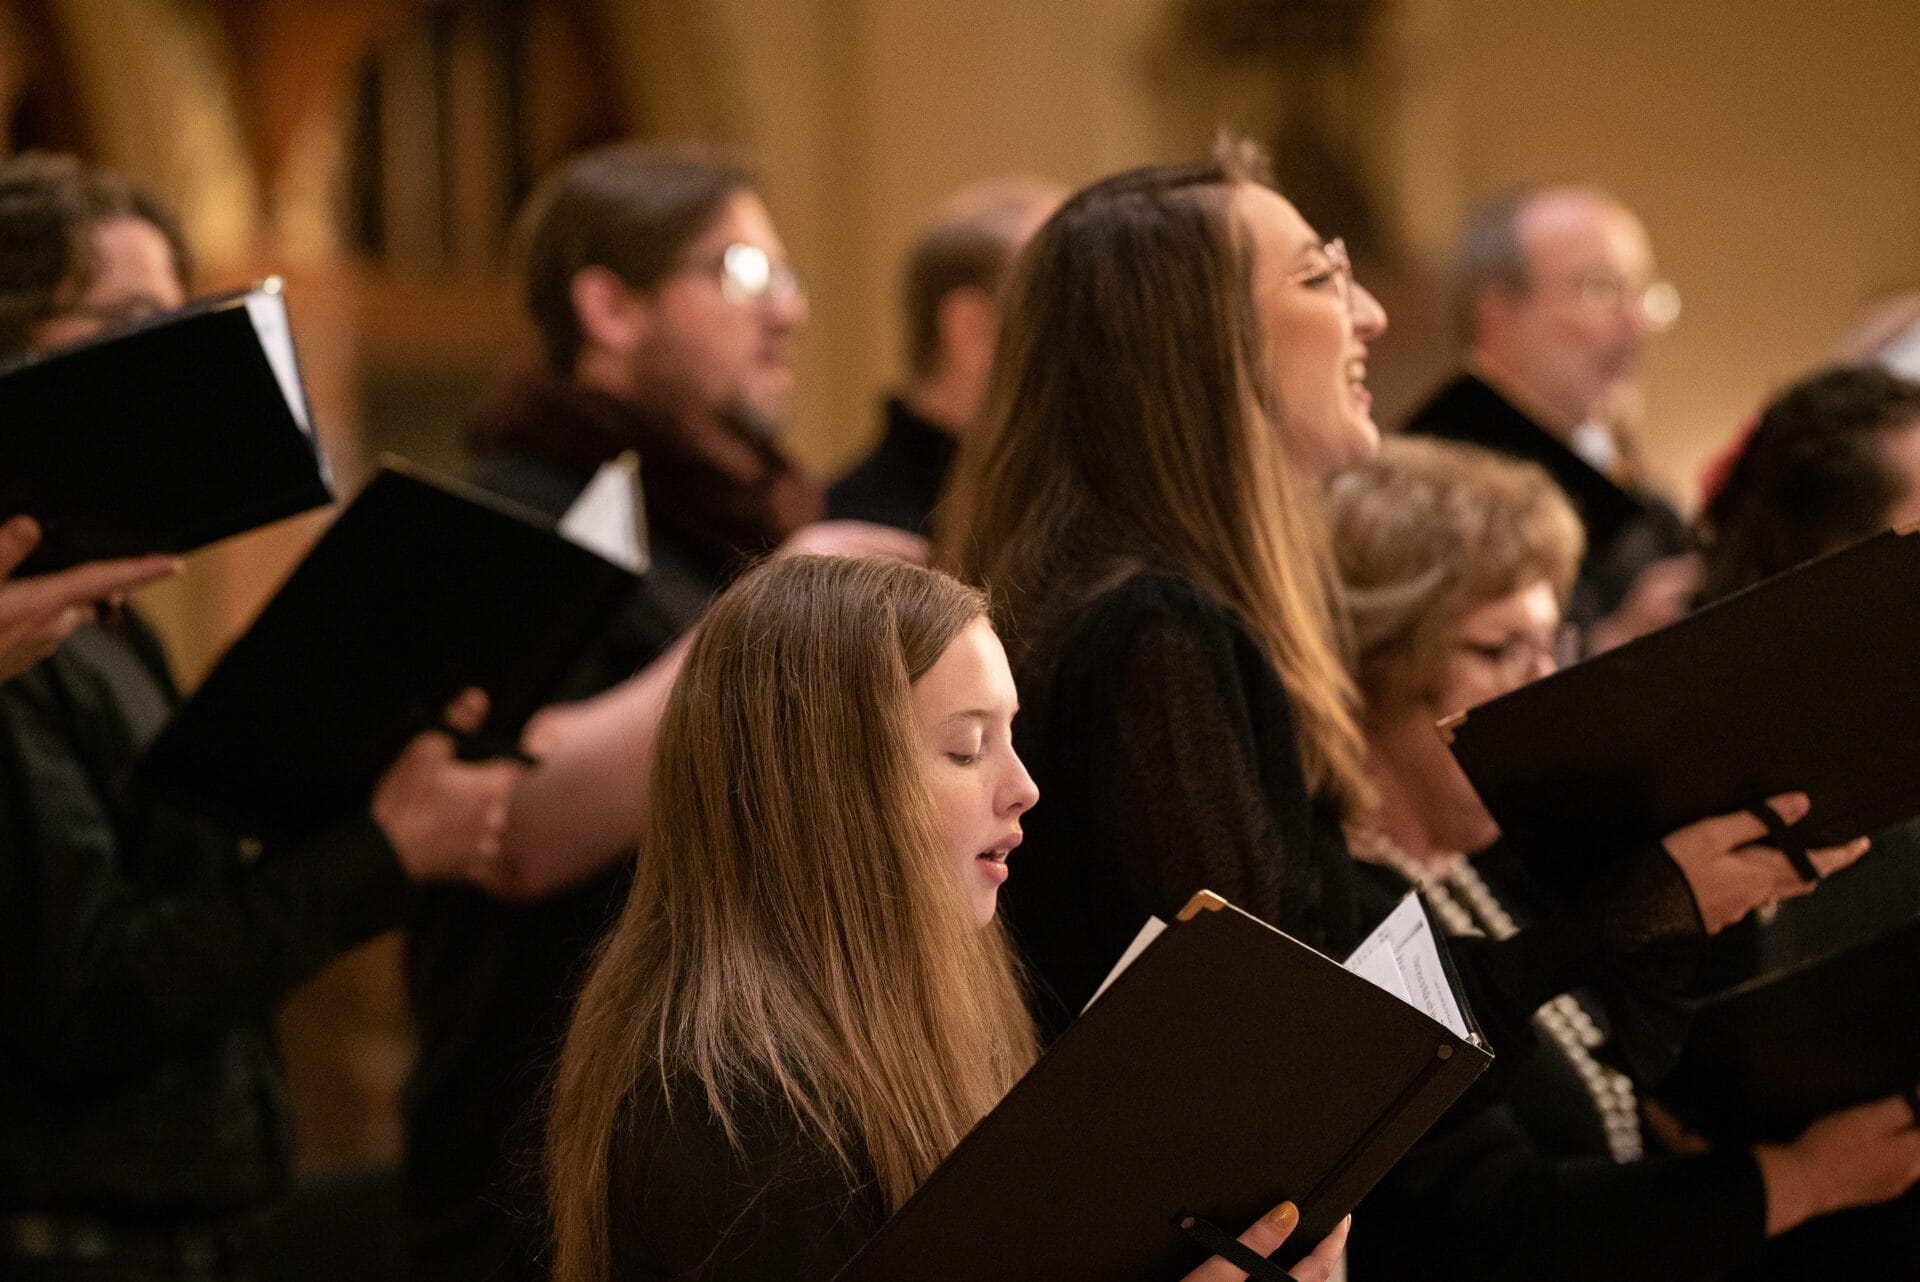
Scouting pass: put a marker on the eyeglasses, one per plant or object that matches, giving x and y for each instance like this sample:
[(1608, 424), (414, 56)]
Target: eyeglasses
[(1606, 293), (1523, 656), (749, 276), (1332, 270)]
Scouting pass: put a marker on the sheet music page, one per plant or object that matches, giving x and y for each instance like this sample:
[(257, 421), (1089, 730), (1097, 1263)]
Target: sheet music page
[(1148, 933), (267, 309), (1405, 940), (608, 517)]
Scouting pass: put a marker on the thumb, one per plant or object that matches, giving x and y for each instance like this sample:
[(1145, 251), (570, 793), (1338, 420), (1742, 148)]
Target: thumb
[(18, 537)]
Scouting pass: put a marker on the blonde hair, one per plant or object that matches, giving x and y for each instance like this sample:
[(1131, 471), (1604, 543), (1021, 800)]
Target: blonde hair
[(796, 931), (1129, 423), (1429, 531)]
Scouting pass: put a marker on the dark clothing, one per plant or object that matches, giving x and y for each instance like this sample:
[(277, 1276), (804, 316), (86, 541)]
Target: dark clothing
[(492, 984), (900, 482), (1164, 743), (683, 1203), (714, 489), (1528, 1189), (1626, 530), (1481, 1202), (141, 956)]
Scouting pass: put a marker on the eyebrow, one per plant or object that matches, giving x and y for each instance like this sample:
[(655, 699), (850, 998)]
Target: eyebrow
[(971, 714)]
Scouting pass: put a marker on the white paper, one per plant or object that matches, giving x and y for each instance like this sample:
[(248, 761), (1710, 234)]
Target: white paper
[(609, 517), (267, 309), (1148, 933), (1402, 957)]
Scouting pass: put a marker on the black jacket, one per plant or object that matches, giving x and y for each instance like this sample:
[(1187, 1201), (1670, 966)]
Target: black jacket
[(141, 956)]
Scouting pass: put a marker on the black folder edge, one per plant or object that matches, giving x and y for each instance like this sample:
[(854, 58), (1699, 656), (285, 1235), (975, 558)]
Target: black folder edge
[(1828, 826), (253, 518), (490, 740), (1839, 960), (1345, 1183)]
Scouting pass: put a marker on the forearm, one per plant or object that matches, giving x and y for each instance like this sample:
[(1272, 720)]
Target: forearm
[(583, 806)]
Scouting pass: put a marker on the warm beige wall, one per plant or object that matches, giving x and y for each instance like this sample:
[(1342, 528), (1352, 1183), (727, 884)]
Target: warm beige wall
[(1771, 146), (863, 113)]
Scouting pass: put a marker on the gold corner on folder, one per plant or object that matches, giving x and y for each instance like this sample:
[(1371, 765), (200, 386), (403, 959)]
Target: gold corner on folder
[(1202, 901), (1445, 1052), (1448, 724)]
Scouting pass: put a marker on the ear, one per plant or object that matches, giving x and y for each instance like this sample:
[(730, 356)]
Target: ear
[(1494, 310), (613, 315), (969, 323)]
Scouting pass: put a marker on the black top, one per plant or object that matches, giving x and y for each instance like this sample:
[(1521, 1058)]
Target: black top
[(491, 984), (141, 956), (1164, 744), (1627, 529), (900, 482), (684, 1203)]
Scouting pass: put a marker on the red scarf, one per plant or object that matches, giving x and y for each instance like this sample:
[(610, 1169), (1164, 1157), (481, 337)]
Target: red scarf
[(717, 490)]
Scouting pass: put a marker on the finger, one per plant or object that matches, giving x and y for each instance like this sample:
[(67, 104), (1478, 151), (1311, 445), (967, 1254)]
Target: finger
[(468, 710), (1731, 831), (1784, 880), (17, 539), (1262, 1238), (1831, 859), (1322, 1260), (90, 582)]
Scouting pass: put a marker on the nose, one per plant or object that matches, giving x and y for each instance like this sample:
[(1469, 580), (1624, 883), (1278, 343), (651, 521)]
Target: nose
[(787, 310), (1369, 317), (1018, 790)]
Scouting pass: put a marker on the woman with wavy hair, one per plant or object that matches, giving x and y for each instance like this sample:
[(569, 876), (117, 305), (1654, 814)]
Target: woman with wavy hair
[(807, 1000), (1182, 362), (1458, 564)]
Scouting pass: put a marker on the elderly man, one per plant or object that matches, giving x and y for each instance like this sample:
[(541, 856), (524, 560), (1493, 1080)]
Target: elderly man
[(1556, 293)]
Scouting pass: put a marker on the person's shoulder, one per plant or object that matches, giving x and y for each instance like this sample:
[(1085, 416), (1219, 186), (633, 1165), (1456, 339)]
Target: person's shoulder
[(1152, 599)]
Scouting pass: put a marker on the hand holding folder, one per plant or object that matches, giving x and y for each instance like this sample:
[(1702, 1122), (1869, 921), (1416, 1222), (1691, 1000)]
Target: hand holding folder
[(1803, 682), (422, 587), (1226, 1067), (38, 613)]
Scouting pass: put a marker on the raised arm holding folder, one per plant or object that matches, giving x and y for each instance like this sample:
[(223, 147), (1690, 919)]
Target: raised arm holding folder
[(422, 587), (1227, 1067), (1805, 682), (161, 438)]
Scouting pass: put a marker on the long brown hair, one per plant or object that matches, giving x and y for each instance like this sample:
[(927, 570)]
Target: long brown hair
[(1129, 422), (796, 931)]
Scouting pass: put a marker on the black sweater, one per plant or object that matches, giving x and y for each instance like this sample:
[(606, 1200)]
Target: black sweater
[(1163, 742)]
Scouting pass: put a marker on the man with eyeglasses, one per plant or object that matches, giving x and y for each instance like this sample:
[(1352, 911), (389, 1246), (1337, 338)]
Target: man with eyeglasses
[(1555, 294), (666, 313)]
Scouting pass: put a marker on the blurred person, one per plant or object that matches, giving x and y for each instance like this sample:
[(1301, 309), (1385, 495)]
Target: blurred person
[(142, 951), (1456, 564), (666, 312), (772, 1052), (1182, 366), (1556, 292), (955, 272), (1832, 459)]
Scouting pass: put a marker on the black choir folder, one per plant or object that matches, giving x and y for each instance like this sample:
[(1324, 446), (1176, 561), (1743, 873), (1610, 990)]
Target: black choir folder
[(1764, 1058), (1227, 1068), (161, 438), (423, 586), (1806, 682)]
